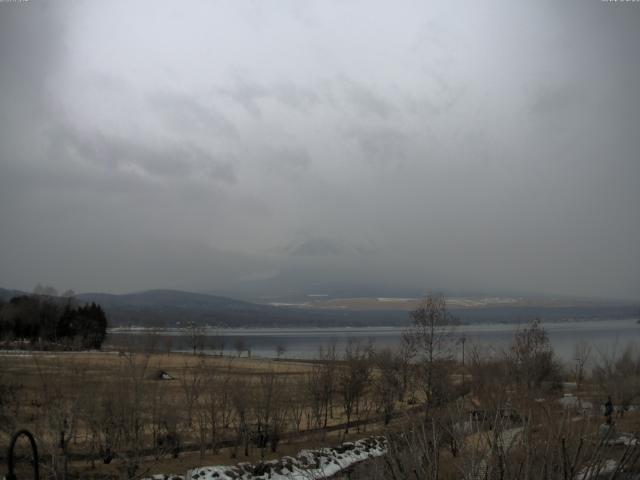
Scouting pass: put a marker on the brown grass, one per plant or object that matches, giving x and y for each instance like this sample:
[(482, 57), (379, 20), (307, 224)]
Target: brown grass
[(91, 376)]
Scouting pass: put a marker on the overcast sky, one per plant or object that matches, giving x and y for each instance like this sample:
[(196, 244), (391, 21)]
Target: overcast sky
[(277, 146)]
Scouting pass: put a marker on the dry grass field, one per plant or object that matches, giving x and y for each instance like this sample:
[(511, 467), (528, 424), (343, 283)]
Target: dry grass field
[(130, 413), (118, 404)]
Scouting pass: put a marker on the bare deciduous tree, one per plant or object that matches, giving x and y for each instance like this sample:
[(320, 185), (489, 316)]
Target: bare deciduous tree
[(531, 358), (429, 338), (388, 382), (581, 357), (298, 401), (353, 376), (196, 336), (280, 350), (617, 373), (192, 383), (240, 346), (240, 395)]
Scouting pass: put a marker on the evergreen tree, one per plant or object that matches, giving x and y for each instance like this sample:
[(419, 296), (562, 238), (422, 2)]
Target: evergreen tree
[(38, 318)]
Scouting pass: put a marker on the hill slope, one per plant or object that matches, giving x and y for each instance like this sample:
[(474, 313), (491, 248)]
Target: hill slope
[(174, 307), (171, 308)]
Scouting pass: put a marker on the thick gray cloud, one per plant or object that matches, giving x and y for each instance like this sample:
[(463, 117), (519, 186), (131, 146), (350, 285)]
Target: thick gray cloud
[(120, 154), (264, 148), (187, 114)]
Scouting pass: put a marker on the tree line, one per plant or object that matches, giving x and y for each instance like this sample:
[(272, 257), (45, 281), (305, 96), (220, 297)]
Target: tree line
[(47, 321)]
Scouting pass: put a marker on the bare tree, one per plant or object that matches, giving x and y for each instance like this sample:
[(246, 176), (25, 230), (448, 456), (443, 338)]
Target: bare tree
[(489, 376), (151, 340), (581, 357), (429, 338), (121, 414), (217, 343), (532, 359), (321, 385), (270, 410), (241, 403), (192, 385), (45, 290), (298, 401), (62, 391), (217, 403), (387, 383), (167, 343), (196, 336), (353, 376), (163, 420), (327, 357), (280, 350), (618, 374), (315, 394), (240, 346), (10, 400), (68, 294)]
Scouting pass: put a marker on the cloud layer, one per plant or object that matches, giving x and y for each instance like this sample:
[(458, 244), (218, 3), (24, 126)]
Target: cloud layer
[(264, 148)]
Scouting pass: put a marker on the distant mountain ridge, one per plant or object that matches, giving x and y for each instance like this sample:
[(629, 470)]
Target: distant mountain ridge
[(165, 308), (166, 298), (6, 294), (171, 308)]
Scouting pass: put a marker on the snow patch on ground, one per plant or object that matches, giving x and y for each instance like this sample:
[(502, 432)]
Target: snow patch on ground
[(571, 402), (394, 299), (284, 304), (307, 465), (597, 471), (623, 439)]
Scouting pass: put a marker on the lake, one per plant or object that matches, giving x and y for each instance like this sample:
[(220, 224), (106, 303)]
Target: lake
[(604, 335)]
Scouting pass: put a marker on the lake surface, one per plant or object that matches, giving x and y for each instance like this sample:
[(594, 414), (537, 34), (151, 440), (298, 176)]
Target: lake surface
[(604, 335)]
